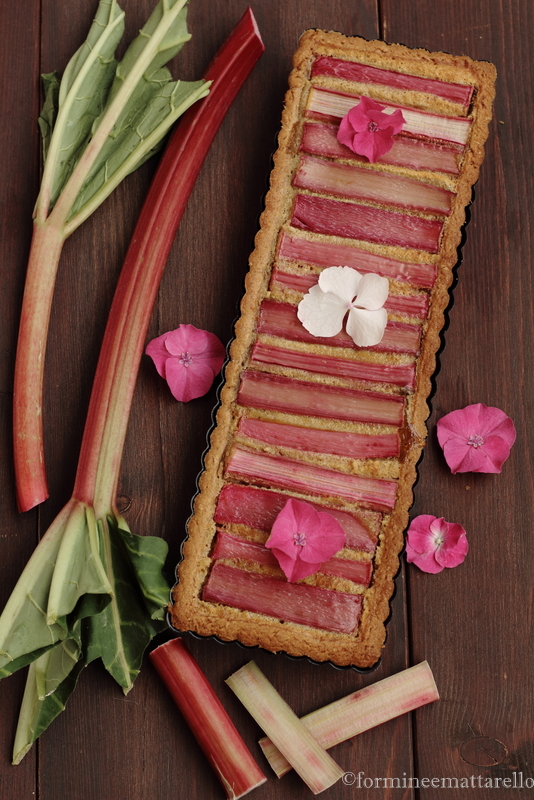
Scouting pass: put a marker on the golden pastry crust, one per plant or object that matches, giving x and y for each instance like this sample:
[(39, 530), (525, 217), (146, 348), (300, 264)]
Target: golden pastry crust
[(363, 648)]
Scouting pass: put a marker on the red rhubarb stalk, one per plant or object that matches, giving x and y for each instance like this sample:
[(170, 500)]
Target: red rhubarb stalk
[(230, 546), (419, 123), (275, 597), (206, 716), (263, 390), (299, 476), (347, 180), (280, 319), (320, 139), (363, 73), (363, 710), (367, 223), (328, 254), (397, 374), (258, 509)]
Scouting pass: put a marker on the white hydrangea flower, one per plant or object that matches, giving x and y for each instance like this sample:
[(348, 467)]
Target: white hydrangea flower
[(343, 292)]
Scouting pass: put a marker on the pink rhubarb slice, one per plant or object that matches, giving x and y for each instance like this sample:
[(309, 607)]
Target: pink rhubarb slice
[(230, 546), (398, 374), (315, 440), (264, 390), (329, 254), (366, 223), (298, 476), (320, 138), (280, 319), (363, 73), (291, 602), (334, 105), (359, 183), (411, 305), (258, 509)]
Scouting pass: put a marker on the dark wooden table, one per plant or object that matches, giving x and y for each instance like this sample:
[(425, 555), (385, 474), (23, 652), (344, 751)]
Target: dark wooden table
[(473, 624)]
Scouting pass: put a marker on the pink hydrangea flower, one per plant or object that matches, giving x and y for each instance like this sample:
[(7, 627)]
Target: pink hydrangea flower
[(476, 438), (189, 359), (432, 543), (303, 538), (368, 130)]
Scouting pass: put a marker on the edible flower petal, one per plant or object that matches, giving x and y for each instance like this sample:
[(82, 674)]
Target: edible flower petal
[(189, 359), (341, 290), (302, 539), (477, 438), (368, 130), (432, 543)]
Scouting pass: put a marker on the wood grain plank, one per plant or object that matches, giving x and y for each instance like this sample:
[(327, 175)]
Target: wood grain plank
[(474, 623)]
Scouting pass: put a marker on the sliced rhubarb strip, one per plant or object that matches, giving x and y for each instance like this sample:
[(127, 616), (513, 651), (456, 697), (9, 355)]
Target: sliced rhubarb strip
[(258, 508), (338, 443), (206, 716), (359, 183), (264, 390), (419, 123), (280, 319), (363, 73), (230, 546), (369, 224), (329, 254), (363, 710), (298, 476), (397, 374), (275, 597), (320, 139), (276, 718), (412, 305)]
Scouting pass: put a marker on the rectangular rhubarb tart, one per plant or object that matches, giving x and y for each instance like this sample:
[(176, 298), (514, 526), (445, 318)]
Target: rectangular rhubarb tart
[(324, 403)]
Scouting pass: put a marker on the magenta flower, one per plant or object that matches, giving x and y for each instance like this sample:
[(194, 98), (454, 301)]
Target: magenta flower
[(368, 130), (432, 543), (189, 359), (303, 538), (476, 438)]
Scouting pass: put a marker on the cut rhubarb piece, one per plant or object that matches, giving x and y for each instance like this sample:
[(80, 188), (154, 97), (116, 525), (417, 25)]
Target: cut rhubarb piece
[(263, 390), (330, 104), (369, 224), (275, 597), (277, 719), (206, 716), (363, 73), (363, 710), (411, 305), (359, 183), (230, 546), (321, 139), (258, 509), (298, 476), (338, 443), (280, 319), (329, 254), (397, 374)]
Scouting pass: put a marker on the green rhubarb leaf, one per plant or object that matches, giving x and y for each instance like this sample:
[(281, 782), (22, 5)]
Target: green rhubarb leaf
[(47, 118), (120, 634), (83, 92)]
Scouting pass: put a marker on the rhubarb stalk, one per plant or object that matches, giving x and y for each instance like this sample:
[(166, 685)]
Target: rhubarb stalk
[(92, 146), (206, 716), (361, 711), (77, 588), (281, 724)]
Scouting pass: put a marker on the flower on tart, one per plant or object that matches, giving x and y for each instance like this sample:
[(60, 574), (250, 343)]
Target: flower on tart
[(477, 438), (189, 359), (368, 130), (302, 539), (432, 543), (343, 292)]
